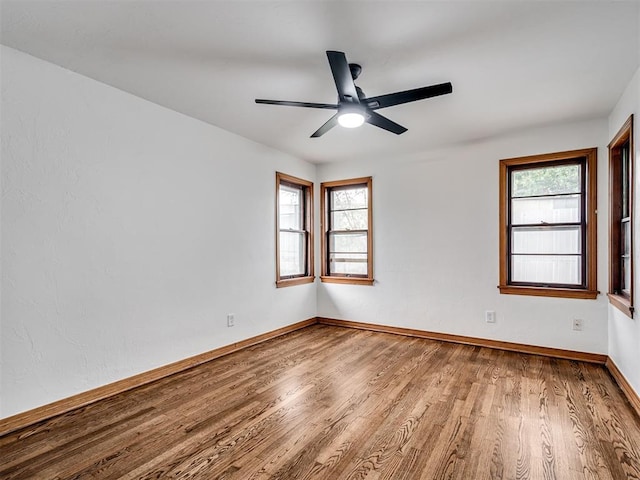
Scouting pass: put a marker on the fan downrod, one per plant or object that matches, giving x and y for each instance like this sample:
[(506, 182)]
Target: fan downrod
[(355, 69)]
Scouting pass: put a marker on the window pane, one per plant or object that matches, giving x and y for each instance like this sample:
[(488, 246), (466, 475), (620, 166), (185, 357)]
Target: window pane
[(625, 231), (290, 208), (348, 264), (347, 243), (624, 153), (342, 199), (546, 240), (545, 210), (626, 275), (350, 220), (292, 253), (545, 181), (625, 263), (558, 269)]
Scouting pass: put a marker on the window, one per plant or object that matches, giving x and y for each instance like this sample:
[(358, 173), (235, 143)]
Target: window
[(548, 225), (620, 218), (294, 231), (347, 244)]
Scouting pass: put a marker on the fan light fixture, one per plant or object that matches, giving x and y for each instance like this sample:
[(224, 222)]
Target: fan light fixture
[(353, 107), (351, 119)]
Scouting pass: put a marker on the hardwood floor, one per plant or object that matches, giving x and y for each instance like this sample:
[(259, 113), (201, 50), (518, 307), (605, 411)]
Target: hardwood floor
[(335, 403)]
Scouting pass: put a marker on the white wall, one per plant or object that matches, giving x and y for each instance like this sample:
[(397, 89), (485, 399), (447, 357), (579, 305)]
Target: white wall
[(129, 232), (436, 246), (624, 332)]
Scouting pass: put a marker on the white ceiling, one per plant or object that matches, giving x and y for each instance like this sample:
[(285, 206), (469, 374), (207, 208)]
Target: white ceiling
[(513, 64)]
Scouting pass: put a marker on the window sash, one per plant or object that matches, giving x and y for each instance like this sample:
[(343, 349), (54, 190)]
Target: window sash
[(621, 228), (346, 224), (514, 228), (303, 232), (293, 219), (294, 232), (288, 262), (625, 222), (357, 257), (345, 256)]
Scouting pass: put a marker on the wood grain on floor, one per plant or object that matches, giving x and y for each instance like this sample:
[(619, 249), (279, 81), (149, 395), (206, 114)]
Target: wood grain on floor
[(335, 403)]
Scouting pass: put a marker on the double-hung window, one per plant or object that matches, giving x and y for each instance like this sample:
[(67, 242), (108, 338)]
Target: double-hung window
[(347, 244), (294, 230), (621, 219), (548, 225)]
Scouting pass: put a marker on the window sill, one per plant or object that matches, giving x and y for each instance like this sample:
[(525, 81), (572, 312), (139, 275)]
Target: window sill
[(548, 292), (622, 303), (347, 280), (290, 282)]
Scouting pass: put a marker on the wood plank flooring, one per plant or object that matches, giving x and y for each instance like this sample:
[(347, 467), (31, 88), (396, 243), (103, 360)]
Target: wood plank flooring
[(335, 403)]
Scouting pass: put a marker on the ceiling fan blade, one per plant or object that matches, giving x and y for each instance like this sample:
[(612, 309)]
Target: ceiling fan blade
[(297, 104), (407, 96), (332, 122), (383, 122), (342, 77)]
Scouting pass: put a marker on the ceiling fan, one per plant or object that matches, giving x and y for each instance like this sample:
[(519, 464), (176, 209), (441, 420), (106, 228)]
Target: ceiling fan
[(353, 107)]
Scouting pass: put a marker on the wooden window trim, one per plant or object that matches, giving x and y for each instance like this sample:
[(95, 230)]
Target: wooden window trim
[(324, 209), (309, 206), (619, 300), (590, 291), (622, 303)]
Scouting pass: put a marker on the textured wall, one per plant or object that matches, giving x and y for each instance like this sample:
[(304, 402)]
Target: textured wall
[(129, 232)]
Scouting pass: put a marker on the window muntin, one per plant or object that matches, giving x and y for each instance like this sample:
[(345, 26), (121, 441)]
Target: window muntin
[(346, 224), (621, 167), (547, 218), (294, 239)]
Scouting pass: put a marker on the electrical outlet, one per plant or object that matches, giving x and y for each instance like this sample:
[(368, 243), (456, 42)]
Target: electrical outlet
[(490, 316), (231, 320), (577, 324)]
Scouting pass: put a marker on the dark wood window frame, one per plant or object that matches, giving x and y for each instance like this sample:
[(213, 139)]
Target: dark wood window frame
[(589, 288), (307, 189), (620, 153), (325, 190)]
